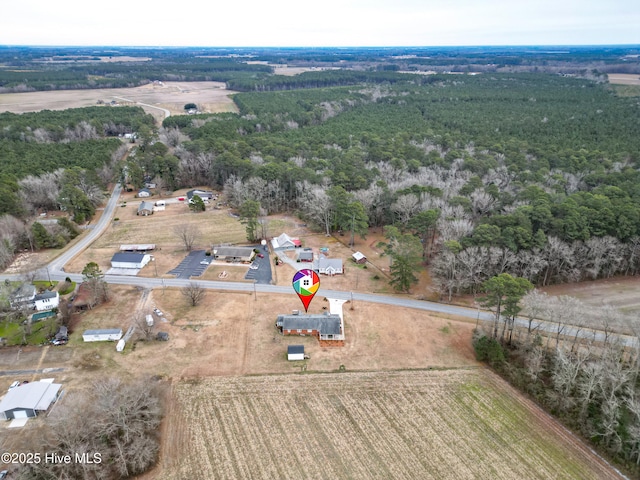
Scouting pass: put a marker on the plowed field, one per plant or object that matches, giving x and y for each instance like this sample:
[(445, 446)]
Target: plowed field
[(448, 424)]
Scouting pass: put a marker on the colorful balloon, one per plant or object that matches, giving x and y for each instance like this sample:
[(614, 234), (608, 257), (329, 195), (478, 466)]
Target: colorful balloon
[(306, 283)]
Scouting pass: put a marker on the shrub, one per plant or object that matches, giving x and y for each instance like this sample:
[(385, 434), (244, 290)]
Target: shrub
[(488, 350)]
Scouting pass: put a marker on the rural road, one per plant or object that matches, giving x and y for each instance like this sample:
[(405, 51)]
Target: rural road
[(167, 113), (56, 272)]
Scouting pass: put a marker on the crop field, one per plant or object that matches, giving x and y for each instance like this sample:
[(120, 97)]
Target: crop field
[(211, 97), (446, 424)]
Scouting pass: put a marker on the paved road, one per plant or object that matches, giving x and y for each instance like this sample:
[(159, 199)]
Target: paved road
[(56, 271)]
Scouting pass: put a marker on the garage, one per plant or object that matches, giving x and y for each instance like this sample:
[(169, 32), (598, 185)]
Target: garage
[(28, 399)]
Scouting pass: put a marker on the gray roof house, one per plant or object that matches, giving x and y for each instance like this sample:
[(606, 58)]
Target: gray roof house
[(330, 266), (144, 193), (326, 326), (26, 400), (24, 295), (203, 194), (145, 208)]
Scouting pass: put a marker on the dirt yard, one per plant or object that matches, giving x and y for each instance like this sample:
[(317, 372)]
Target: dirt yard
[(211, 97)]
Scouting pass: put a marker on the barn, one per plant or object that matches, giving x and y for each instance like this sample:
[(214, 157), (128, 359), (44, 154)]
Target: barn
[(27, 400), (295, 352), (130, 260), (47, 300), (102, 335)]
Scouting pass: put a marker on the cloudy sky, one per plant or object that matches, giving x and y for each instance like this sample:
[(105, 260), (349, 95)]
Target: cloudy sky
[(323, 23)]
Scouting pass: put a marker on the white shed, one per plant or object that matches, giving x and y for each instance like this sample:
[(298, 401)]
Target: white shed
[(102, 335), (149, 319), (295, 352)]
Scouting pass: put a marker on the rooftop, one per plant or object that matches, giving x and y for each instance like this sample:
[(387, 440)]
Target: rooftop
[(325, 323), (34, 395)]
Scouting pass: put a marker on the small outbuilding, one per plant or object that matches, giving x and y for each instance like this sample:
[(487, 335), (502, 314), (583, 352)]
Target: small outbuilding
[(102, 335), (359, 257), (305, 256), (295, 352)]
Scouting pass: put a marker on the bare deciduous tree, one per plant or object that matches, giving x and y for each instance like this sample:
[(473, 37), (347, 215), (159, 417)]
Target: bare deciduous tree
[(188, 234), (117, 420), (194, 292)]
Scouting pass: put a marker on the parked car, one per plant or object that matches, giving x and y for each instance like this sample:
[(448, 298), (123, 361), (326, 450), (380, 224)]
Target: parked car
[(3, 474), (14, 385), (157, 311), (181, 199), (260, 255)]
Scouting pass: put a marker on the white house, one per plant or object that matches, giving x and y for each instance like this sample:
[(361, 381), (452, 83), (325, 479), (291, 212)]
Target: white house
[(295, 352), (130, 260), (144, 193), (330, 266), (47, 300), (26, 400), (102, 335)]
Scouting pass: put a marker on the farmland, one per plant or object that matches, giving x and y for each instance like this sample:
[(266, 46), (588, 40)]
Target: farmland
[(463, 423)]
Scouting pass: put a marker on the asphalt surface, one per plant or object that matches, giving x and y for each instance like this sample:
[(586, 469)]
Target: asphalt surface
[(262, 274), (191, 265)]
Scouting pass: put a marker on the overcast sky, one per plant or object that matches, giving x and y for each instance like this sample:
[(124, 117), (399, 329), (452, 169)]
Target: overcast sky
[(323, 23)]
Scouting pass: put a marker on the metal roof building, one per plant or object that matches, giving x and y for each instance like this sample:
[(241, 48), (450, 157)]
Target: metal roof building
[(26, 400)]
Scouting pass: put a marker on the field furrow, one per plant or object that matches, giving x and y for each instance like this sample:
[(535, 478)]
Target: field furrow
[(449, 424)]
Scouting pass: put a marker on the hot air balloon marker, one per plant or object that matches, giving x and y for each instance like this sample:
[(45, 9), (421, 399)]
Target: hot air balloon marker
[(306, 283)]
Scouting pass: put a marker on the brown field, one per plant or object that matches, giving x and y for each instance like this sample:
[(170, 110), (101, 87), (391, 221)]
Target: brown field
[(624, 78), (211, 97), (449, 424)]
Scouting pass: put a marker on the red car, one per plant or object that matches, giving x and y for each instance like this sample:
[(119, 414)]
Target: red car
[(260, 255), (181, 199)]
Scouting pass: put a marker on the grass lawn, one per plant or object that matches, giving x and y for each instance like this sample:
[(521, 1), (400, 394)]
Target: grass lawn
[(40, 331)]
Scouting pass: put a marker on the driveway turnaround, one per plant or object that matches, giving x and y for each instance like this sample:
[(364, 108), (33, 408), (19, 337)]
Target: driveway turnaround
[(193, 265)]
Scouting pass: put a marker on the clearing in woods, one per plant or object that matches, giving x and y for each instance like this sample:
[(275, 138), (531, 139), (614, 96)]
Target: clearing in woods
[(449, 424)]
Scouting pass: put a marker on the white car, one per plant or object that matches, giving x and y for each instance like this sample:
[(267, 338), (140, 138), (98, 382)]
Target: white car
[(14, 385), (253, 267), (157, 311)]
